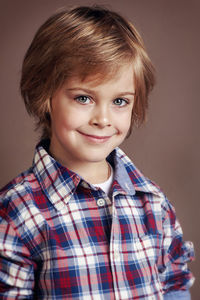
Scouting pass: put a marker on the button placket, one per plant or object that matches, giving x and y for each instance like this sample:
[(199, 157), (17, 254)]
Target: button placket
[(116, 252), (117, 255)]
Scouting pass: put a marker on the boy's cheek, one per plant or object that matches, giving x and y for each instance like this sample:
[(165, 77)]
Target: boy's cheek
[(125, 124)]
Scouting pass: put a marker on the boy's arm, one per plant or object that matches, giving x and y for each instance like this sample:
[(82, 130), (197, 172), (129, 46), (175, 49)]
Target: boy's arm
[(174, 274), (16, 268)]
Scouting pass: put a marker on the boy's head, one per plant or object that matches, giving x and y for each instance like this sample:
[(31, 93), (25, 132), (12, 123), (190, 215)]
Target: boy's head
[(82, 42)]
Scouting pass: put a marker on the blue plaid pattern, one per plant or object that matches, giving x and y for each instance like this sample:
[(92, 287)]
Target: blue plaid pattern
[(57, 241)]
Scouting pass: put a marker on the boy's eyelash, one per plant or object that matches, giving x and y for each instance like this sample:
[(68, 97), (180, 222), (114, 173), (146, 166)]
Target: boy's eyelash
[(84, 97), (125, 101)]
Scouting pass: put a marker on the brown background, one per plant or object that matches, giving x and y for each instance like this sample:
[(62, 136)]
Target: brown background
[(167, 148)]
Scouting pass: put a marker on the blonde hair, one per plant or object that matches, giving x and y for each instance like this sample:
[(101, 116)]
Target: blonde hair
[(80, 42)]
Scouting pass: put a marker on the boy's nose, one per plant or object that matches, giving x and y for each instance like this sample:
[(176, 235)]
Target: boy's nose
[(100, 117)]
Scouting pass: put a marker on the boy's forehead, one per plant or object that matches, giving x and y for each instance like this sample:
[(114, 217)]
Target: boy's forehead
[(102, 76)]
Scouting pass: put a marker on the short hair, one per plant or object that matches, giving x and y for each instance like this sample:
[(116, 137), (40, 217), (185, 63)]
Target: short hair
[(82, 41)]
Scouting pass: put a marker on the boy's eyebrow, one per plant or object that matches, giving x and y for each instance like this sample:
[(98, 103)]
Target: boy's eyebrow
[(90, 91)]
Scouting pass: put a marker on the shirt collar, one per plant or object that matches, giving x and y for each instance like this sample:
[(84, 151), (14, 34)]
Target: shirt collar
[(56, 181), (120, 173), (59, 183), (129, 177)]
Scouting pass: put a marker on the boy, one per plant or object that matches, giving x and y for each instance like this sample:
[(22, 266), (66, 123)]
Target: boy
[(83, 222)]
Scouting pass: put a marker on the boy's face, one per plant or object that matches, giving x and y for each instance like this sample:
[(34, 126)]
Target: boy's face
[(90, 118)]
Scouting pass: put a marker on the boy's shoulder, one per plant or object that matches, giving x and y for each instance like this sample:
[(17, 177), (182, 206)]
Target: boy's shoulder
[(23, 184), (18, 189), (145, 189)]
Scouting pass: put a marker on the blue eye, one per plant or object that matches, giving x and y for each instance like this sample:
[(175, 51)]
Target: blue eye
[(83, 99), (120, 102)]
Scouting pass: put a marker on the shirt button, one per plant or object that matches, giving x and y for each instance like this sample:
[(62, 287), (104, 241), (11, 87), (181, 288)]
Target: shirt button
[(85, 185), (100, 202)]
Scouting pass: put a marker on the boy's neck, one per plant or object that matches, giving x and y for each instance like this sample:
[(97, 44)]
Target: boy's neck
[(95, 173), (92, 172)]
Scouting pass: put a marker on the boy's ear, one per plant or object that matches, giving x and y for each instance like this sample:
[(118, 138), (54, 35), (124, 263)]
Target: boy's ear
[(49, 106), (48, 109)]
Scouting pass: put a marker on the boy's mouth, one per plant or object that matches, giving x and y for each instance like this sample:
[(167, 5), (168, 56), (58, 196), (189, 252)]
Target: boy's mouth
[(95, 138)]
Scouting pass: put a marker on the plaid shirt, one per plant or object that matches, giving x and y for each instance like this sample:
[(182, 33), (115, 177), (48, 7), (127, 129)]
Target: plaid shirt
[(62, 238)]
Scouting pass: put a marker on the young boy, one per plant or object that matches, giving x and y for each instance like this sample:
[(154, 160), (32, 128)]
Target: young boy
[(83, 222)]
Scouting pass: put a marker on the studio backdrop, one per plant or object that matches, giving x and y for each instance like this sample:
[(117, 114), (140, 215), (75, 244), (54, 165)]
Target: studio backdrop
[(167, 147)]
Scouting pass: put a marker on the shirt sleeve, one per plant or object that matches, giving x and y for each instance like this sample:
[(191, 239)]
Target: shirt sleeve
[(175, 254), (182, 295), (16, 268)]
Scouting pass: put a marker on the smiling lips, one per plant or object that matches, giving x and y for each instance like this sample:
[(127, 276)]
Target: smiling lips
[(95, 138)]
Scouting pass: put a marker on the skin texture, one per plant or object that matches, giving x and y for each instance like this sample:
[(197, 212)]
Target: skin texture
[(89, 119)]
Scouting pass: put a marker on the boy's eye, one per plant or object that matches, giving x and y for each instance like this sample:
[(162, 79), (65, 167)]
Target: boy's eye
[(83, 99), (120, 102)]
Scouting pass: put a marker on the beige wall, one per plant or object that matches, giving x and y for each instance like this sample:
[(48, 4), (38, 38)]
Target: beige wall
[(167, 148)]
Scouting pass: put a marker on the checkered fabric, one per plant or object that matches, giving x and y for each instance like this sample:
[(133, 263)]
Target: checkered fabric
[(62, 238)]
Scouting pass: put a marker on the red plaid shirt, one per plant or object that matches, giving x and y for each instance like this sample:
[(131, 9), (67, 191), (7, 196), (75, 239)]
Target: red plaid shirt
[(62, 238)]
